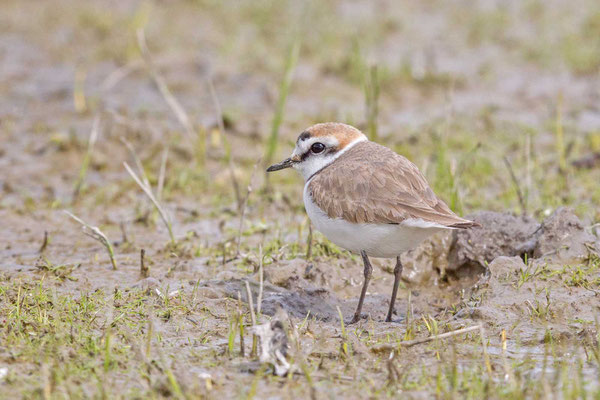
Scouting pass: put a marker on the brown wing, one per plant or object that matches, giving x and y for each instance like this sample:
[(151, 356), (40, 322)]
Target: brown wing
[(370, 183)]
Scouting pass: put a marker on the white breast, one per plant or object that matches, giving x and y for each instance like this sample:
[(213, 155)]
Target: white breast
[(377, 240)]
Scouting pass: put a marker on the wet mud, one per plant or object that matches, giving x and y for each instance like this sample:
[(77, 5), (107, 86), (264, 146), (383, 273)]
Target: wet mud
[(459, 93)]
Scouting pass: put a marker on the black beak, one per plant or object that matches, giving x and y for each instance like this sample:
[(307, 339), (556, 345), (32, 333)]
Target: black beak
[(287, 163)]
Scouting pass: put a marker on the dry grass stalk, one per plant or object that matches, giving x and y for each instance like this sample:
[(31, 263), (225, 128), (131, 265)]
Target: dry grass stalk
[(79, 100), (95, 233), (414, 342), (116, 76), (250, 303), (171, 101), (515, 182), (137, 160), (230, 162), (486, 356), (253, 318), (161, 174), (88, 157), (148, 191), (243, 210), (284, 88), (124, 238), (261, 281), (508, 375), (309, 241), (528, 191), (560, 136), (119, 74), (240, 322)]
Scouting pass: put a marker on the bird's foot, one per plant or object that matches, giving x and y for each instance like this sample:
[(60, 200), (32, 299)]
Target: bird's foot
[(397, 320), (355, 319)]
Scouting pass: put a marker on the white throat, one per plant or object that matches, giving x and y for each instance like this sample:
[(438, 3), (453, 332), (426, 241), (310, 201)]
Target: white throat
[(312, 165)]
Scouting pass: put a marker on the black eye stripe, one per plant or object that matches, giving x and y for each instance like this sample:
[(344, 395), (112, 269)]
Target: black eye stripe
[(324, 150)]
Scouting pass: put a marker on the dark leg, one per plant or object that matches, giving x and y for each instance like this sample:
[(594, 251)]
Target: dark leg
[(397, 273), (363, 292)]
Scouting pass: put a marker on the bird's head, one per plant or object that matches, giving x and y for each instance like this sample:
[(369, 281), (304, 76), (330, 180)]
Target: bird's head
[(318, 146)]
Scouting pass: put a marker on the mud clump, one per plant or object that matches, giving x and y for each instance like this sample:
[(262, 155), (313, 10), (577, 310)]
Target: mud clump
[(560, 239), (563, 238), (500, 234)]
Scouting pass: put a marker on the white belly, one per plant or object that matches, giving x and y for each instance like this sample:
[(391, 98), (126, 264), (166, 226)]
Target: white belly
[(377, 240)]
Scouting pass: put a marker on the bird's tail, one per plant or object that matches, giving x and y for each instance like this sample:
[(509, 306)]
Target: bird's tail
[(466, 224)]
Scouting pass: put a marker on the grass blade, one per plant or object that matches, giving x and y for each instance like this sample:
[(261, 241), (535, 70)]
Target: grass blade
[(148, 191), (284, 88), (171, 101), (87, 158)]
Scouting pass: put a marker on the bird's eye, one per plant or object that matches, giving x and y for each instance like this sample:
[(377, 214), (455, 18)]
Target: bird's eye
[(317, 147)]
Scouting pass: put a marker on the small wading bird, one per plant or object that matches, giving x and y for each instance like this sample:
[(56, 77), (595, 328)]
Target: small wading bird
[(366, 198)]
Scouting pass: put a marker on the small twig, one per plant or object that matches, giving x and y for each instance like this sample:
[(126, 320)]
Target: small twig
[(230, 162), (414, 342), (171, 101), (148, 191), (44, 243), (161, 174), (144, 270), (515, 182), (124, 238), (243, 210), (95, 233)]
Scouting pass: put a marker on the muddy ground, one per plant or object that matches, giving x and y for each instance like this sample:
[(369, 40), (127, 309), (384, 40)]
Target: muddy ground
[(498, 102)]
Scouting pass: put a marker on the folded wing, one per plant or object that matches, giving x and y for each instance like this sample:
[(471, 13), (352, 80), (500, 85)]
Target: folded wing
[(370, 183)]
